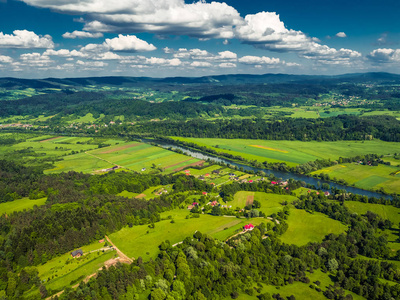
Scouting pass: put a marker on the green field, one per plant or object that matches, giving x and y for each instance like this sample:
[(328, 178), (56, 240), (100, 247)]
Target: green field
[(144, 241), (20, 204), (65, 271), (305, 227), (136, 156), (270, 203), (294, 152), (365, 177)]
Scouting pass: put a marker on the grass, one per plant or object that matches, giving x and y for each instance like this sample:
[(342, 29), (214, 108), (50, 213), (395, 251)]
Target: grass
[(294, 152), (20, 204), (305, 227), (270, 203), (144, 241), (65, 271), (365, 177)]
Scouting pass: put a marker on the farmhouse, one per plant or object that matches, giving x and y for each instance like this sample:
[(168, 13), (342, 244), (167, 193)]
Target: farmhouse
[(201, 177), (216, 172), (77, 253), (143, 169), (248, 227)]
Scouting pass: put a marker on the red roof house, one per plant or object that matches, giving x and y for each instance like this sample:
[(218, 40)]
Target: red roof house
[(248, 227), (204, 193)]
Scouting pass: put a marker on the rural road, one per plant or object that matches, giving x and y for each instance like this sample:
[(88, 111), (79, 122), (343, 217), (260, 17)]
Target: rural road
[(123, 257)]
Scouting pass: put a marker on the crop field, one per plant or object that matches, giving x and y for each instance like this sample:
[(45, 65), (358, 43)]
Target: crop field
[(137, 156), (20, 204), (294, 152), (366, 177), (305, 227), (144, 241)]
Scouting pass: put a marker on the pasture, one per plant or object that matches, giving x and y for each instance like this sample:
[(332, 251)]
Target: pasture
[(305, 227), (144, 241), (294, 152), (20, 205), (270, 203), (365, 177)]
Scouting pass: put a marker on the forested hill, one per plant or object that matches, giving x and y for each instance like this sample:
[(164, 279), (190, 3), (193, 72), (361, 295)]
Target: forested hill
[(9, 82)]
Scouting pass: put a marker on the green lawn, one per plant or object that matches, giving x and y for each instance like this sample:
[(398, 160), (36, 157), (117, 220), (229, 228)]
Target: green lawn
[(20, 204), (305, 227), (365, 177), (294, 152)]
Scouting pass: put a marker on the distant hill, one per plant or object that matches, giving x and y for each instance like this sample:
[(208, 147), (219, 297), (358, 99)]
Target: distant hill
[(65, 83)]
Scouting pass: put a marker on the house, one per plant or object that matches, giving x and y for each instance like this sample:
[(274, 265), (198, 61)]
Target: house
[(214, 203), (77, 253), (195, 203), (248, 227), (273, 182), (251, 181), (143, 169), (201, 177), (204, 193), (327, 193), (232, 174), (216, 172), (101, 241)]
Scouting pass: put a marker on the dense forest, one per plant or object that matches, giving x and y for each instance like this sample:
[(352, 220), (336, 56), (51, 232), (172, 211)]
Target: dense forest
[(344, 127)]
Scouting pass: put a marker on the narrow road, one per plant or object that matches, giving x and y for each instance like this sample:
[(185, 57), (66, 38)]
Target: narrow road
[(123, 257)]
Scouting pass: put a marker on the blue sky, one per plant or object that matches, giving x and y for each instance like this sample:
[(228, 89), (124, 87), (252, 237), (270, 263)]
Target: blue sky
[(75, 38)]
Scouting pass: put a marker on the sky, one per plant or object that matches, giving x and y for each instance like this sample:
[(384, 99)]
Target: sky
[(164, 38)]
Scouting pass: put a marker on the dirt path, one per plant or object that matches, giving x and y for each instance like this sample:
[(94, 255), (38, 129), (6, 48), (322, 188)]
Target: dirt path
[(122, 256)]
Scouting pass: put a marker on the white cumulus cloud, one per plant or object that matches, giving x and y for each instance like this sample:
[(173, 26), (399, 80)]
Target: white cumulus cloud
[(384, 55), (341, 34), (126, 43), (5, 59), (81, 34), (25, 39), (197, 19)]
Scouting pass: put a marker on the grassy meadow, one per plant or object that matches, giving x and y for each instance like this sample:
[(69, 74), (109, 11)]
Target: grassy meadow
[(305, 227), (270, 203), (294, 152), (365, 177), (20, 204), (144, 241), (65, 271)]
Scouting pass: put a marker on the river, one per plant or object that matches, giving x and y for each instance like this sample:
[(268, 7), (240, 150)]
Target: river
[(278, 174)]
